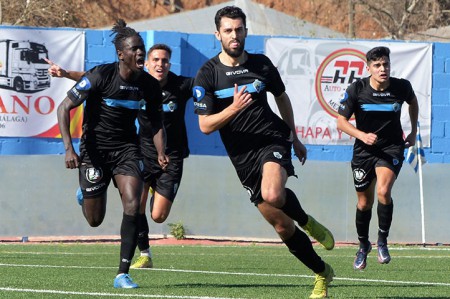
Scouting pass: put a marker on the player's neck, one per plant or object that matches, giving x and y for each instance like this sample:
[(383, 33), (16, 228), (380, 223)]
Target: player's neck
[(232, 61), (126, 73), (379, 86)]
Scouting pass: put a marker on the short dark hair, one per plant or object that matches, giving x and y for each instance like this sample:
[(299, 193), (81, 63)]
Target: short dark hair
[(232, 12), (160, 47), (376, 53), (122, 32)]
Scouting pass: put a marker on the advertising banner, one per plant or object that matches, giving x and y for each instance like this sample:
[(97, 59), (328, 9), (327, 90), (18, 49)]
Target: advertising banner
[(29, 97), (317, 73)]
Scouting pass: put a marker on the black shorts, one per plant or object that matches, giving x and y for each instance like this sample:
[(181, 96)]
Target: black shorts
[(99, 167), (251, 175), (165, 182), (364, 163)]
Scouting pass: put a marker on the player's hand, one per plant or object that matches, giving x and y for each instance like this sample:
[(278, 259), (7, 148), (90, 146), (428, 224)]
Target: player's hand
[(410, 139), (241, 98), (72, 160), (369, 138), (300, 151), (163, 161), (55, 70)]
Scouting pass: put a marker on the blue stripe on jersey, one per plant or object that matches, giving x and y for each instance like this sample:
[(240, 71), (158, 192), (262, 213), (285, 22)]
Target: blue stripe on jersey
[(128, 104), (380, 107), (169, 107), (257, 86)]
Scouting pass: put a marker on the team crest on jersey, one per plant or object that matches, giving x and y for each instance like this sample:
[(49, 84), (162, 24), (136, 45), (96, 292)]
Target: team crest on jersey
[(395, 162), (396, 107), (84, 84), (94, 175), (171, 106), (142, 103), (258, 85), (359, 174), (198, 92), (277, 155)]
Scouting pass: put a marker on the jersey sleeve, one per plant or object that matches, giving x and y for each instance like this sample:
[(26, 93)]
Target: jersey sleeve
[(275, 83), (153, 99), (409, 95), (348, 101), (84, 87), (203, 91), (186, 88)]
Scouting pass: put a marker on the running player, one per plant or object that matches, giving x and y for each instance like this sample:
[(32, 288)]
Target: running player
[(376, 103), (162, 183), (230, 92), (109, 147)]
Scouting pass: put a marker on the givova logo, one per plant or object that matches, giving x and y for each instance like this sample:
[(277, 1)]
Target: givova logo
[(336, 72)]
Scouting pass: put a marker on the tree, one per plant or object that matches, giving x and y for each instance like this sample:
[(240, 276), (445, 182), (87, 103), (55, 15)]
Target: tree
[(402, 17), (41, 13)]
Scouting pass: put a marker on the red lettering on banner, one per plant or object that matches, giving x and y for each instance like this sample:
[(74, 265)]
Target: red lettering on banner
[(317, 133), (50, 102), (41, 105)]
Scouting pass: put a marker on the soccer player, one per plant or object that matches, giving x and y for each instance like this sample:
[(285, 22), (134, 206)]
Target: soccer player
[(376, 103), (230, 96), (163, 183), (109, 148)]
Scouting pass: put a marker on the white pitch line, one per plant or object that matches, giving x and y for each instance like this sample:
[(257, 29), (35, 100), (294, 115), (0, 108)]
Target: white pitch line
[(105, 294), (242, 274)]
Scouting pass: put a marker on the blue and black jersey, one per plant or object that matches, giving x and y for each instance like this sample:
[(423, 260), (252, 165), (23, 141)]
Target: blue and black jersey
[(257, 125), (112, 105), (377, 112), (175, 95)]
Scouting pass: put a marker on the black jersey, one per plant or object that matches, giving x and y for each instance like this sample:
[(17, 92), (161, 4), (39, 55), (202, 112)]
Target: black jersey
[(112, 105), (377, 112), (175, 95), (255, 126)]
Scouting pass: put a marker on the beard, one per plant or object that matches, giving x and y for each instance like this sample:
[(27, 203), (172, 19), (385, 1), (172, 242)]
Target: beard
[(235, 53)]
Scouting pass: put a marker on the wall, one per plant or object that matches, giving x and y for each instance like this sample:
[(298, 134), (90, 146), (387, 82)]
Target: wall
[(191, 50), (38, 192)]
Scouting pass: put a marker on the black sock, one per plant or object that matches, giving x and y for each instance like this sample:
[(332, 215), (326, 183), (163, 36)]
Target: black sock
[(300, 246), (362, 226), (293, 209), (384, 221), (142, 239), (128, 240)]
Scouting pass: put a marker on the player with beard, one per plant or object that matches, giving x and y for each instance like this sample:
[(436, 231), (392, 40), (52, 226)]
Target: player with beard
[(109, 147), (230, 96)]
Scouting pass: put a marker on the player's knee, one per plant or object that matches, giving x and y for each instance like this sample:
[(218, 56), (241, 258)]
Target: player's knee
[(94, 221), (384, 193), (273, 197), (159, 217)]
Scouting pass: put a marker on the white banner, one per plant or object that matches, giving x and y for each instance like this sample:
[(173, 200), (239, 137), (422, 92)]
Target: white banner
[(29, 97), (317, 73)]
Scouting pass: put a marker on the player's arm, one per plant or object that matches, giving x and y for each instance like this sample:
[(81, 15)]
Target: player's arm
[(63, 114), (153, 111), (287, 114), (213, 122), (345, 126), (413, 111), (56, 71)]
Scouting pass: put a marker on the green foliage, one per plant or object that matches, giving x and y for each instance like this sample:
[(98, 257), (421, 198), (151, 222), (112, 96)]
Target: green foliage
[(177, 230)]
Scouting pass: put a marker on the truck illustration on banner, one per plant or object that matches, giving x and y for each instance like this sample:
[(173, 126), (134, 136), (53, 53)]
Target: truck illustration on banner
[(22, 65)]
